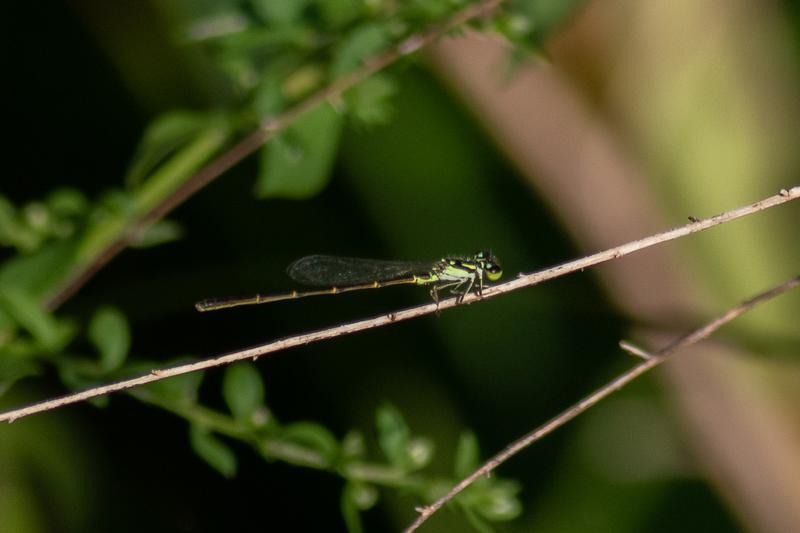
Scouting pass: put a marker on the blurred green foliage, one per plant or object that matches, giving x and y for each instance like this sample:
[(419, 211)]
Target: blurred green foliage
[(393, 168)]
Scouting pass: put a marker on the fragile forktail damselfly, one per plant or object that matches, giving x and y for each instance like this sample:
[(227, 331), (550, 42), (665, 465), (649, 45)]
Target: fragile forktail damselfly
[(460, 274)]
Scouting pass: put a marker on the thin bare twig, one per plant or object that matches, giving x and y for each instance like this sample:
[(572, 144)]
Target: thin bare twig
[(256, 139), (651, 360), (634, 350), (523, 280)]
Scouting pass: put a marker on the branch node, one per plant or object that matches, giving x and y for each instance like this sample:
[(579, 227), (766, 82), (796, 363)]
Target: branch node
[(410, 45), (337, 103), (270, 124)]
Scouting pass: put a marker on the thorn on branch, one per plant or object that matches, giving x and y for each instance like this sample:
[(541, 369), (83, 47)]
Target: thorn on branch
[(635, 350)]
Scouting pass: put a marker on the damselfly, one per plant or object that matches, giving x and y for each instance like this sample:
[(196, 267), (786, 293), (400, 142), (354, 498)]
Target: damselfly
[(461, 275)]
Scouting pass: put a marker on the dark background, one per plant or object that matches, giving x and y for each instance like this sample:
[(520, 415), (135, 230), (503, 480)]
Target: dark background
[(428, 183)]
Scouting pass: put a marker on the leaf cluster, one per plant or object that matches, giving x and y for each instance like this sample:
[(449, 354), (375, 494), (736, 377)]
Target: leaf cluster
[(400, 461), (273, 54)]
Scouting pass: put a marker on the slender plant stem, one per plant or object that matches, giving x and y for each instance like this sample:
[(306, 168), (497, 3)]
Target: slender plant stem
[(651, 360), (257, 138), (523, 280)]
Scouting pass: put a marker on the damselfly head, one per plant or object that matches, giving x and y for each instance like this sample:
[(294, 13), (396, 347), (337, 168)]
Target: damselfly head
[(489, 264)]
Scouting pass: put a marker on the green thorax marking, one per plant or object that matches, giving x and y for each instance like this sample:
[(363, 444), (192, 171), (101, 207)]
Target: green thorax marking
[(454, 269)]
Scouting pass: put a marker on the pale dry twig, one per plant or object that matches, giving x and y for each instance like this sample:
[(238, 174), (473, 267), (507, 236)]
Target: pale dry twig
[(523, 280), (651, 360)]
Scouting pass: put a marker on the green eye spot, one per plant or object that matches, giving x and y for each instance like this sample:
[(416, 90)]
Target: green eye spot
[(494, 273)]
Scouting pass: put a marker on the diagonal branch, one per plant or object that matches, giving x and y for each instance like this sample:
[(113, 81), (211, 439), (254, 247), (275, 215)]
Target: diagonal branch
[(523, 280), (651, 360), (252, 142)]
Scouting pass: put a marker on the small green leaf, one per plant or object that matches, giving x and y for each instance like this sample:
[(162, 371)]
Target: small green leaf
[(429, 10), (353, 444), (268, 98), (350, 511), (419, 452), (476, 521), (467, 455), (362, 43), (25, 310), (314, 436), (369, 102), (297, 162), (16, 364), (279, 12), (76, 371), (302, 81), (497, 501), (180, 389), (243, 390), (67, 202), (213, 451), (542, 18), (13, 232), (363, 495), (165, 135), (393, 435), (38, 273), (159, 232), (338, 13), (110, 334)]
